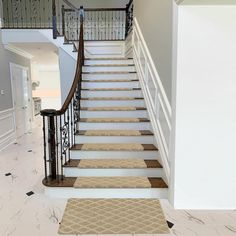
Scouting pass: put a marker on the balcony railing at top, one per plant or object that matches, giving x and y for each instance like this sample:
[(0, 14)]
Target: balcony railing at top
[(63, 18)]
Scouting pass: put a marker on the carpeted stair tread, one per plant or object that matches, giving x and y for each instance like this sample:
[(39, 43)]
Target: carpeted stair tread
[(111, 98), (113, 120), (111, 89), (68, 182), (112, 108), (112, 182), (108, 58), (114, 147), (112, 164), (110, 80), (114, 132)]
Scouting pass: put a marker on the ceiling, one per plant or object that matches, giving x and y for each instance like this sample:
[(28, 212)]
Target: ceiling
[(42, 53), (206, 2)]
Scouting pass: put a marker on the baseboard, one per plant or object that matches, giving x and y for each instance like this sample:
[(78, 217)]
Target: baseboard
[(7, 128), (158, 106)]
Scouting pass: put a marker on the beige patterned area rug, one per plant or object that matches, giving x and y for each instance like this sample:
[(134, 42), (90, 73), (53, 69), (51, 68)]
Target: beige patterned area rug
[(113, 216), (112, 182)]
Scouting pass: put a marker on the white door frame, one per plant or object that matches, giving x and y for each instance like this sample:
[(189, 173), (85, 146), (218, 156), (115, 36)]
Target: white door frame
[(29, 92)]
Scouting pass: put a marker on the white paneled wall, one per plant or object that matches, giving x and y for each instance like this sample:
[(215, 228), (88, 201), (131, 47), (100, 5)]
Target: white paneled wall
[(7, 128), (157, 103)]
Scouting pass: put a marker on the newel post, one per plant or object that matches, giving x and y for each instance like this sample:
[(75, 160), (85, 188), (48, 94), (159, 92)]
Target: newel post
[(54, 19), (49, 143)]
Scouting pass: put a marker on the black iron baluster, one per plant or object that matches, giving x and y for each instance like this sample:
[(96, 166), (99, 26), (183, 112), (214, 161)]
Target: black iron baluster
[(57, 161), (68, 127), (54, 19), (45, 150), (63, 19), (61, 148)]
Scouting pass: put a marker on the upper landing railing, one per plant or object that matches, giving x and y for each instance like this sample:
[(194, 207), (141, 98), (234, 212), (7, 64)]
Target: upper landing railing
[(63, 18)]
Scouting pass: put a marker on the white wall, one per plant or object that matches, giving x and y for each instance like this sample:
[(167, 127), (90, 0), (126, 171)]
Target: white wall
[(155, 19), (204, 173), (49, 89)]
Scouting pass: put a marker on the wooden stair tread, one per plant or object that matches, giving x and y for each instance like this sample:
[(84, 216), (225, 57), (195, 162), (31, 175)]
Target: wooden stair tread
[(111, 98), (110, 72), (109, 65), (108, 58), (113, 120), (114, 132), (113, 147), (112, 89), (113, 108), (110, 80), (70, 181), (75, 164)]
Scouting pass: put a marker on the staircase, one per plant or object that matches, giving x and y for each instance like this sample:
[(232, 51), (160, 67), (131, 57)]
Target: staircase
[(114, 155)]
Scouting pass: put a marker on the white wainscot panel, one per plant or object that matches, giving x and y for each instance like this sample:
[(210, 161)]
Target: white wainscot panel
[(164, 125), (151, 88), (142, 59), (136, 41), (7, 128)]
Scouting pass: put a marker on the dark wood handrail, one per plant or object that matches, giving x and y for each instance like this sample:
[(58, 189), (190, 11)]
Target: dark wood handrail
[(78, 73), (97, 9)]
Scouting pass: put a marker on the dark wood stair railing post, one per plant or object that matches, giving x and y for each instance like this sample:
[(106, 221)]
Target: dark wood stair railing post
[(54, 19), (51, 142), (61, 126)]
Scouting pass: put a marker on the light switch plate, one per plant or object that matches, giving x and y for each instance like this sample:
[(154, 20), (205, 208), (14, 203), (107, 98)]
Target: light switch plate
[(2, 92)]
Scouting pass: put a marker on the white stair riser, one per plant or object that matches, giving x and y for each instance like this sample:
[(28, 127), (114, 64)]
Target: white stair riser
[(80, 172), (157, 193), (114, 114), (108, 68), (109, 76), (94, 85), (147, 139), (109, 62), (112, 103), (115, 126), (144, 155), (133, 93)]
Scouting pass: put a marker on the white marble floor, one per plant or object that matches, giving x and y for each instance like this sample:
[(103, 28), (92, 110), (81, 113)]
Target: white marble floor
[(38, 215)]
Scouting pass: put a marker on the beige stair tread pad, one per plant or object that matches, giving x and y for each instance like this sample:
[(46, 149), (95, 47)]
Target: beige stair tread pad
[(111, 98), (114, 120), (113, 216), (112, 163), (112, 182), (113, 133), (112, 147), (111, 108)]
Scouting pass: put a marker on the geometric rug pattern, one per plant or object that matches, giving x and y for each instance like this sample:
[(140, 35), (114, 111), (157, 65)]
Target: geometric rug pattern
[(112, 133), (113, 216), (112, 182), (112, 147), (112, 163)]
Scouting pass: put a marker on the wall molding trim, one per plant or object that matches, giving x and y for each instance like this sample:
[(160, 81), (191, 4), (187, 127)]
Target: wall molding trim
[(7, 128), (158, 105), (18, 51)]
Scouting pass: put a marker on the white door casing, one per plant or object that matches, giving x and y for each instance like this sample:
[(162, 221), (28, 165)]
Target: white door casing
[(21, 98)]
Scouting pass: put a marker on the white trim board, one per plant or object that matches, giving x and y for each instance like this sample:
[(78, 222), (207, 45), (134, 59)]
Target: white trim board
[(18, 51), (158, 106), (7, 128)]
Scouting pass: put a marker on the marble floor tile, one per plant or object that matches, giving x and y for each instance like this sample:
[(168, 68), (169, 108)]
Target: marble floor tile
[(39, 215)]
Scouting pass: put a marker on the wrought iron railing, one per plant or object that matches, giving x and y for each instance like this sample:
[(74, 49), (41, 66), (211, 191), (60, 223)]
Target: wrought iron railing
[(60, 126), (63, 18)]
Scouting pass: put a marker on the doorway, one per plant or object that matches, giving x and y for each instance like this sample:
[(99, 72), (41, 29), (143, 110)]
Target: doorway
[(21, 96)]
